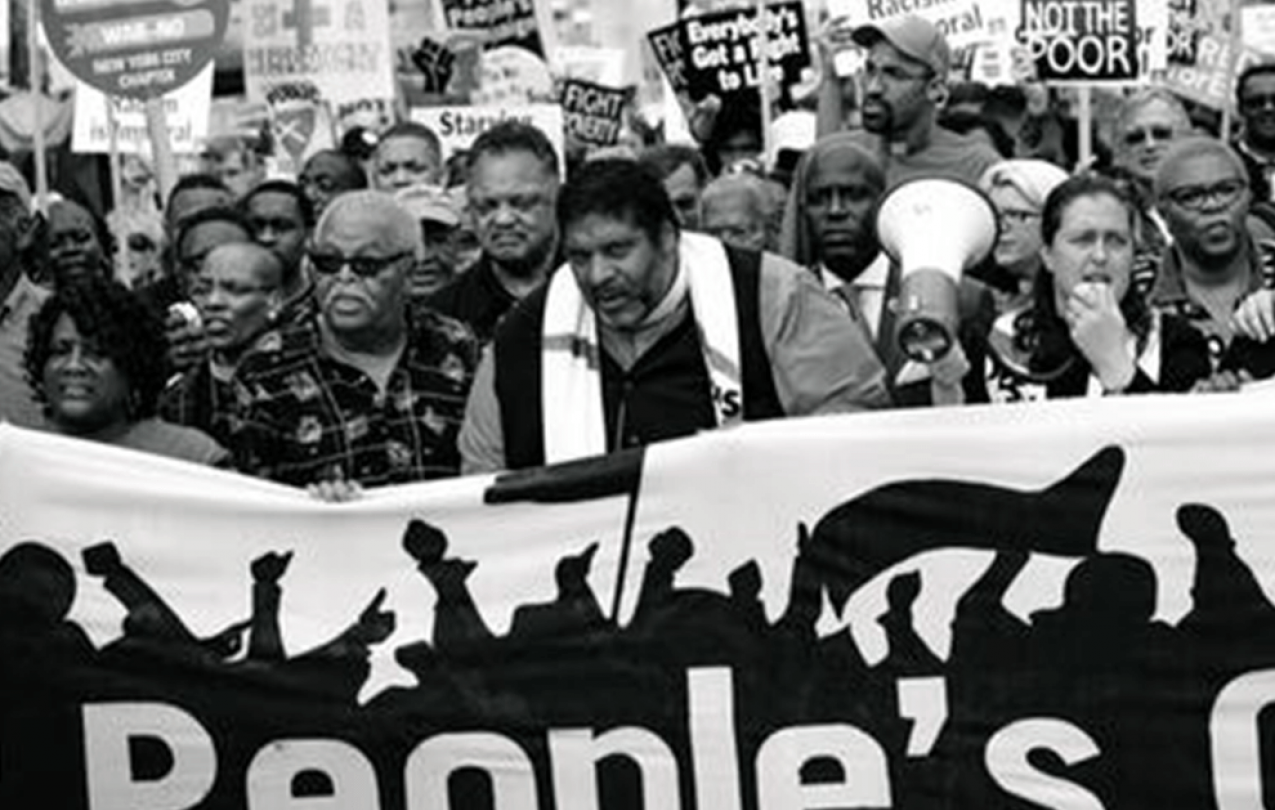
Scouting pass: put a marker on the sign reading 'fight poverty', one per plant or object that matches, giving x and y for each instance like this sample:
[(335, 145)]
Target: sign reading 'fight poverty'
[(1064, 606), (666, 44), (593, 113), (136, 48), (337, 51), (1083, 41)]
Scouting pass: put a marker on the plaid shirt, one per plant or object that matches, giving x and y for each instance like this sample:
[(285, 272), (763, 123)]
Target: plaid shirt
[(307, 417), (1169, 294)]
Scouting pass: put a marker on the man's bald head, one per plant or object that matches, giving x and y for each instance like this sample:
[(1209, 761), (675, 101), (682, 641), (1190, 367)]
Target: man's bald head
[(387, 220)]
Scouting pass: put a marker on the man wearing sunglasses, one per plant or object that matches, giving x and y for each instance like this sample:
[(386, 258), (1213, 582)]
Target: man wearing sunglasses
[(1213, 265), (371, 391)]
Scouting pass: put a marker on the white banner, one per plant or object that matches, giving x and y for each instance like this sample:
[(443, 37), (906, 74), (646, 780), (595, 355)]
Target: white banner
[(457, 127), (187, 111)]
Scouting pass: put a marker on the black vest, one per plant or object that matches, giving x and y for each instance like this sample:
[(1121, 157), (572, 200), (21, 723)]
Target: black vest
[(667, 393)]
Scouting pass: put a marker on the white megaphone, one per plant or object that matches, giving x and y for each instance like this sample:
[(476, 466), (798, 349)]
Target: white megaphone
[(934, 230)]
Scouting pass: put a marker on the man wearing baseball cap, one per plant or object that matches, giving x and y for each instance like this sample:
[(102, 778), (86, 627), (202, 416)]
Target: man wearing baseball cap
[(437, 213), (19, 298), (904, 85)]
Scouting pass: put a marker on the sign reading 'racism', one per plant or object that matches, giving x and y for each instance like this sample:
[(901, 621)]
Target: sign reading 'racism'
[(1089, 41)]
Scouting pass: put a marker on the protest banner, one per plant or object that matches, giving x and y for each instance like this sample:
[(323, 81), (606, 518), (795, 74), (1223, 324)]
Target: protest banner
[(968, 25), (1066, 605), (593, 114), (186, 112), (342, 50), (723, 50), (457, 127), (141, 48)]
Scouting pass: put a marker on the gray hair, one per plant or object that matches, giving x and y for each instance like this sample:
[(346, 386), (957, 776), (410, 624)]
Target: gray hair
[(730, 185), (1190, 148), (391, 216)]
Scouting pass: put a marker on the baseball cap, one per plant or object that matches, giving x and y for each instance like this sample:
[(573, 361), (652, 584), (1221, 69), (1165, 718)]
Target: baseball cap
[(429, 203), (12, 182), (915, 37)]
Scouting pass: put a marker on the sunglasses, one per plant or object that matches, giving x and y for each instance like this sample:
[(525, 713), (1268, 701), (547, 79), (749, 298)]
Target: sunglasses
[(140, 242), (1258, 101), (1136, 137), (329, 264)]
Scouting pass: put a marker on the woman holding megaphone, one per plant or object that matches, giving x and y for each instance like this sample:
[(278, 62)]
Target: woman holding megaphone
[(1086, 330)]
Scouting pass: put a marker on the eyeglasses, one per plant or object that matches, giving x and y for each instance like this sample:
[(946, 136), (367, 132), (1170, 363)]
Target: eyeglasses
[(1197, 197), (329, 264), (1139, 136), (1258, 101), (1016, 216)]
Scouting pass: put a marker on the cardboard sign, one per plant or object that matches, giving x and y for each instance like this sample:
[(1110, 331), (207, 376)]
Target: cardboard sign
[(1065, 605), (139, 48), (666, 45), (342, 50), (186, 110), (1209, 81), (504, 22), (457, 127), (722, 50), (968, 25), (1082, 41), (593, 114)]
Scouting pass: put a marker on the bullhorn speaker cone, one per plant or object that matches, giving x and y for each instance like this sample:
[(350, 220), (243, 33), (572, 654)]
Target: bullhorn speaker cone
[(934, 230)]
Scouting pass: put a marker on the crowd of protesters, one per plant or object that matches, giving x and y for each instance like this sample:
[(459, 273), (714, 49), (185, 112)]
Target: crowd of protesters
[(392, 317)]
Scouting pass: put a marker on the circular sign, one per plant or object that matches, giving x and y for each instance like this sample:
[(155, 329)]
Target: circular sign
[(137, 48)]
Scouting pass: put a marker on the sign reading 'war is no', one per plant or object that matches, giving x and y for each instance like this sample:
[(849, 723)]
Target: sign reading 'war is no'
[(1089, 41)]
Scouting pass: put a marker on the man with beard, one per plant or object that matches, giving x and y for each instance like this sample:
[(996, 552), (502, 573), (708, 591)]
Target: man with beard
[(512, 189), (904, 84), (650, 333), (1214, 274), (1255, 98)]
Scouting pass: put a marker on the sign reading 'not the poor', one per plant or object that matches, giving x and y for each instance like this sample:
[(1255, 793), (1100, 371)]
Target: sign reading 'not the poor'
[(138, 48), (1082, 40)]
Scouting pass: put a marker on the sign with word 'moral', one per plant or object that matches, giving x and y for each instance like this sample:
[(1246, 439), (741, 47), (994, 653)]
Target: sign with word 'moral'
[(458, 126), (336, 51), (135, 48), (723, 50), (186, 111), (593, 114), (1082, 41), (1065, 605)]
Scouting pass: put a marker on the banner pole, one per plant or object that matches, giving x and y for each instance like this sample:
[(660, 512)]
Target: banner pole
[(763, 81), (120, 257), (1085, 124), (161, 146), (1234, 42), (36, 68)]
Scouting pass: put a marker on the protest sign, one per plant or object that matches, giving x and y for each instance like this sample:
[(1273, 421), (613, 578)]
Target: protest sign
[(341, 50), (457, 127), (968, 25), (140, 48), (1065, 605), (514, 68), (592, 113), (722, 50), (186, 112), (1210, 81), (666, 45), (1082, 41)]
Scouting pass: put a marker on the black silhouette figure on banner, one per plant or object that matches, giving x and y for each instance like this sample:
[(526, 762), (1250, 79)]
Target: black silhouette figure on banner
[(1102, 664)]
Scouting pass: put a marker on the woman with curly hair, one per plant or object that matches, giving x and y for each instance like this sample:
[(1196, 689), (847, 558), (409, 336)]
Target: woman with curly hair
[(95, 360)]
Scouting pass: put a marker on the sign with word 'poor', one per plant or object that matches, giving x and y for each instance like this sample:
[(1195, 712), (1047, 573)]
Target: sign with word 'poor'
[(138, 48), (1089, 41)]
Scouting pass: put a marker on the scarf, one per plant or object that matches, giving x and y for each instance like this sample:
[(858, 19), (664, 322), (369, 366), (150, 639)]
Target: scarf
[(571, 389)]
